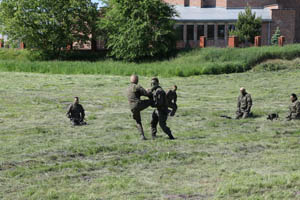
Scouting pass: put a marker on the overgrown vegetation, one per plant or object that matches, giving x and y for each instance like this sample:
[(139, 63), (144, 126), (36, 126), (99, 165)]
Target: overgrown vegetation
[(194, 62), (247, 26), (48, 26), (139, 30), (275, 36), (43, 157)]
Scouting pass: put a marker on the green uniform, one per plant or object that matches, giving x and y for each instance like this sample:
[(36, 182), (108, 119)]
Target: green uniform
[(294, 110), (136, 105), (172, 101), (76, 114), (244, 105), (160, 114)]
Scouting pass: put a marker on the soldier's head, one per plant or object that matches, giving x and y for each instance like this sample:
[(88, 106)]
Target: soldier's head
[(294, 97), (154, 82), (134, 79), (174, 88), (76, 100), (243, 91)]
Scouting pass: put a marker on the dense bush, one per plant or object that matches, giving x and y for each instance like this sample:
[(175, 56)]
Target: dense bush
[(194, 62)]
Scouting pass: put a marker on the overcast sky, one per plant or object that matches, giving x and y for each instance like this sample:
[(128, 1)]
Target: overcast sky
[(97, 1)]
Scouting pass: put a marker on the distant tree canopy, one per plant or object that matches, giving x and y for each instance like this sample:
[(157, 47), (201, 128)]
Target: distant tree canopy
[(248, 26), (138, 30), (48, 25)]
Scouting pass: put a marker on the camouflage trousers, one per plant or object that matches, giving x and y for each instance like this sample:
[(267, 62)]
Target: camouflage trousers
[(77, 122), (242, 114), (160, 117), (136, 115)]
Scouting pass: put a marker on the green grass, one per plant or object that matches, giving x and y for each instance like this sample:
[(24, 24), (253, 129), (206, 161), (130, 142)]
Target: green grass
[(195, 62), (43, 157)]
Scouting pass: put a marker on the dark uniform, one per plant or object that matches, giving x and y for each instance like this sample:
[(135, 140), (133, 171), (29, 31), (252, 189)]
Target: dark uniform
[(294, 110), (244, 105), (172, 101), (160, 114), (76, 114), (136, 105)]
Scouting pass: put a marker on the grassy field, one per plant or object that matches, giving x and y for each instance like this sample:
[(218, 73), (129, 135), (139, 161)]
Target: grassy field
[(43, 157), (190, 63)]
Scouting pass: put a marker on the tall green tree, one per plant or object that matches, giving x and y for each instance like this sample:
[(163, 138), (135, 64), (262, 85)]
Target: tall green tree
[(48, 25), (275, 36), (247, 26), (139, 29)]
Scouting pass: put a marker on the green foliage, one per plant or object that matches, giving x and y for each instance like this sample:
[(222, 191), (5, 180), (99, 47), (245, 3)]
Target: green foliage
[(138, 30), (195, 62), (48, 25), (248, 26), (276, 35)]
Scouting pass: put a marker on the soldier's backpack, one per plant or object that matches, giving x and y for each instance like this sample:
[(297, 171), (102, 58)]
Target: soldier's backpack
[(159, 98)]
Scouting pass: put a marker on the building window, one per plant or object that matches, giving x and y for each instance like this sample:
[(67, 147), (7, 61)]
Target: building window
[(200, 31), (231, 27), (186, 3), (190, 32), (210, 32), (221, 32), (179, 31)]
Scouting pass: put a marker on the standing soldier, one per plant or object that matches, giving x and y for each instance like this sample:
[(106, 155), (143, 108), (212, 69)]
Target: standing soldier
[(76, 113), (160, 114), (294, 108), (172, 100), (244, 105), (135, 91)]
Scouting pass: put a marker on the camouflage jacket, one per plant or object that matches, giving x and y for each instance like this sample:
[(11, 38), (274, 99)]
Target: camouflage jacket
[(134, 94), (76, 111), (294, 110), (171, 96), (244, 103), (160, 99)]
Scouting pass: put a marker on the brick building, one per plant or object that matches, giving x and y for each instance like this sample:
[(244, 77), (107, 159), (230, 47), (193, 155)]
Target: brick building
[(215, 18)]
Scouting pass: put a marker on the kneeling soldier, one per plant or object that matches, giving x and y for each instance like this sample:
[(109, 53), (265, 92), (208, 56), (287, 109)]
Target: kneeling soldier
[(160, 114), (76, 113), (244, 105), (294, 108)]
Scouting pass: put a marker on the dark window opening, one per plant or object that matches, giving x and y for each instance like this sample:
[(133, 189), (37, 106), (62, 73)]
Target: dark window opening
[(179, 32), (190, 32), (186, 3), (221, 32), (231, 27), (210, 32), (200, 31)]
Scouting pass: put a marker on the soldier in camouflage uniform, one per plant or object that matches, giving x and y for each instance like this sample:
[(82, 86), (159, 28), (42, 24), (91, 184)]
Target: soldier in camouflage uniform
[(76, 113), (294, 108), (172, 100), (244, 105), (160, 114), (134, 93)]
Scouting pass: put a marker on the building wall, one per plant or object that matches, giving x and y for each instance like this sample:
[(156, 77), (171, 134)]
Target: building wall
[(285, 19), (175, 2), (292, 4), (221, 3), (196, 3), (252, 3)]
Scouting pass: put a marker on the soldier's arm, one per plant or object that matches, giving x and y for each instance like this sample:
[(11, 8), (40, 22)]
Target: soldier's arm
[(249, 103), (298, 107), (238, 104), (82, 113), (143, 92), (175, 98), (69, 111)]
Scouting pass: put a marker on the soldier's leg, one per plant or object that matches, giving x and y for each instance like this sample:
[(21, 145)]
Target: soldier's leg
[(137, 117), (75, 122), (238, 115), (245, 115), (162, 118), (154, 122), (143, 105)]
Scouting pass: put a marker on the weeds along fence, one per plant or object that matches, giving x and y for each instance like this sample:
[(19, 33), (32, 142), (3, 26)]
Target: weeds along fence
[(189, 63)]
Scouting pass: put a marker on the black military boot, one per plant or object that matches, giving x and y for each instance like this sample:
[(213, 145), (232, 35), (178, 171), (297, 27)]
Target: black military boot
[(171, 137)]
